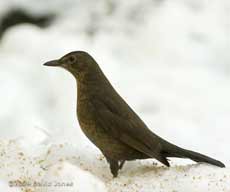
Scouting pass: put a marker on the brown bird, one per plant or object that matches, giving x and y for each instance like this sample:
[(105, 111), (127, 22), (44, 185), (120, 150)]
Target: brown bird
[(109, 122)]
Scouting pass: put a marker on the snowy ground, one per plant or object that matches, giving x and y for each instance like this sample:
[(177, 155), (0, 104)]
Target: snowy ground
[(168, 59), (64, 167)]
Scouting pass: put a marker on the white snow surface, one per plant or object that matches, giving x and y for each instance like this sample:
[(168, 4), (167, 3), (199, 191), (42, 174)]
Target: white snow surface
[(168, 59), (65, 167)]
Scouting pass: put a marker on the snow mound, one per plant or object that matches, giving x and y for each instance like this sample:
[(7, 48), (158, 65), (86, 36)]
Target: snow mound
[(190, 178), (64, 167)]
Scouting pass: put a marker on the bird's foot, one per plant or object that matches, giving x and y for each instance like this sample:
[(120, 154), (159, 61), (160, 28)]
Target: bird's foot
[(114, 167), (121, 164)]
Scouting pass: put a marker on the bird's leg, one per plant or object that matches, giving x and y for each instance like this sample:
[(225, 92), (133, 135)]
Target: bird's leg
[(114, 167), (121, 164)]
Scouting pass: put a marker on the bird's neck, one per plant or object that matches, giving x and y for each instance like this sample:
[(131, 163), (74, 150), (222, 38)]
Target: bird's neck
[(92, 82), (91, 76)]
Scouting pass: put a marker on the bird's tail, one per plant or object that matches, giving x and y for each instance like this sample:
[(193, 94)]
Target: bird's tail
[(170, 150)]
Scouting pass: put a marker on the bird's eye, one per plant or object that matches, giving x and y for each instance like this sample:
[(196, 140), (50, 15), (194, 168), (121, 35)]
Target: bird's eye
[(71, 59)]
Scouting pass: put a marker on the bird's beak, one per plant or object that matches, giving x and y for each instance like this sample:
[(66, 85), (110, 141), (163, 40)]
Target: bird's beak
[(53, 63)]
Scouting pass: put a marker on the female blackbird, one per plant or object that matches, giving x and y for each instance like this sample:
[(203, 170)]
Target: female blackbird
[(109, 122)]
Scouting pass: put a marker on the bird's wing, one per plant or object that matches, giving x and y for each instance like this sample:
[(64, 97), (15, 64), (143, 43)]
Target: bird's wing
[(132, 132)]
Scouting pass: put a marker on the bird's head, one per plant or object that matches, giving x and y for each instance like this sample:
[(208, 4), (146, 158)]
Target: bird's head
[(77, 62)]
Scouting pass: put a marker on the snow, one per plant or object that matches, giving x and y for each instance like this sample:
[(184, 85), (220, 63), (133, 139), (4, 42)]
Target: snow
[(64, 167), (168, 59)]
